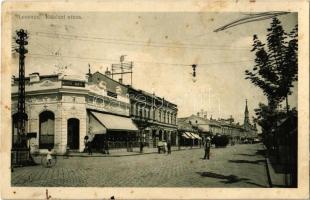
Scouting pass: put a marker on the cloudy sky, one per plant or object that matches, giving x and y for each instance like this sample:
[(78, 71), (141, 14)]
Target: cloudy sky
[(162, 47)]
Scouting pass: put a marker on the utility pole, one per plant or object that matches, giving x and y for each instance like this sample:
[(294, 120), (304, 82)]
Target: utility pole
[(20, 151), (21, 116)]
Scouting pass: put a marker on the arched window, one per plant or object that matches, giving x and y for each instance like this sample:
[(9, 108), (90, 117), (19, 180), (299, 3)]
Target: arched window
[(154, 114), (46, 130)]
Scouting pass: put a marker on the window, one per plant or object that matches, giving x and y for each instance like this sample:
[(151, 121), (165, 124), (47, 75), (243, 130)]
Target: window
[(153, 114), (168, 117), (140, 112), (159, 115), (46, 130), (112, 94), (132, 109), (164, 116), (137, 110)]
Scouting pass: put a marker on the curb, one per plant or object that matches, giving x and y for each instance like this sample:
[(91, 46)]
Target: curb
[(134, 154), (267, 167)]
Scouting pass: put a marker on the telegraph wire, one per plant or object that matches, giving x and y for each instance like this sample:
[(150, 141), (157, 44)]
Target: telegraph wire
[(147, 62), (134, 42)]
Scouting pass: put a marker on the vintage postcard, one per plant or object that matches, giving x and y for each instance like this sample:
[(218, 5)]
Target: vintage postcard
[(155, 99)]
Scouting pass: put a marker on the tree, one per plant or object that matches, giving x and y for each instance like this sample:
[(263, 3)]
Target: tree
[(266, 116), (274, 72), (276, 68)]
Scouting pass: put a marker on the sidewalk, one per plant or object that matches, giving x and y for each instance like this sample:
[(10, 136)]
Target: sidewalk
[(277, 178), (123, 152), (275, 171)]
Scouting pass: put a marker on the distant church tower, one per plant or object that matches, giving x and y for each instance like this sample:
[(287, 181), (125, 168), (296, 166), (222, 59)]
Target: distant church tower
[(246, 122)]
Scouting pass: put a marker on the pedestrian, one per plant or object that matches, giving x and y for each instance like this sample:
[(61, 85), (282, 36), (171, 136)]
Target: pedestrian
[(169, 147), (89, 146), (67, 151), (85, 143), (141, 147), (49, 157), (207, 148), (159, 146), (165, 147), (106, 146)]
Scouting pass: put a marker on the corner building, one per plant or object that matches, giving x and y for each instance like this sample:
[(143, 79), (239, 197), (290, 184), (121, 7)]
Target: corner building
[(62, 110)]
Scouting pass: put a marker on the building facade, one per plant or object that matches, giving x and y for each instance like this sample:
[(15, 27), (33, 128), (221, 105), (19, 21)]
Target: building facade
[(62, 110), (155, 117)]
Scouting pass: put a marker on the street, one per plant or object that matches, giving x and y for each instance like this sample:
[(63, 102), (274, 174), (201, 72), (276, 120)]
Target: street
[(234, 166)]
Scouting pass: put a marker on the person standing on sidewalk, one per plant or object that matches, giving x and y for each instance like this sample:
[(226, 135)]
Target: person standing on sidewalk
[(89, 146), (169, 147), (141, 146), (207, 148)]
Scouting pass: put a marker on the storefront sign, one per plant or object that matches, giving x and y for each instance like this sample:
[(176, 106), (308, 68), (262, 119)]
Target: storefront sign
[(73, 83)]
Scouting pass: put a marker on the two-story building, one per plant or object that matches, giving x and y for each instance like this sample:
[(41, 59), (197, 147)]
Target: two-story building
[(154, 116), (62, 110)]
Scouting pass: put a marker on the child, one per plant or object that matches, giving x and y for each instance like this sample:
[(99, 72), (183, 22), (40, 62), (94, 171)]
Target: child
[(49, 157)]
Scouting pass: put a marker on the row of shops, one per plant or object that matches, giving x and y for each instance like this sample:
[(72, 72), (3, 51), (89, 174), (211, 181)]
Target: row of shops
[(63, 111)]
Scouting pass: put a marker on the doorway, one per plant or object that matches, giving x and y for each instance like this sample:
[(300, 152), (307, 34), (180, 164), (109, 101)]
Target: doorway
[(73, 139)]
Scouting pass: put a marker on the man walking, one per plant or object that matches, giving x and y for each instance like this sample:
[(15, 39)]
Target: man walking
[(207, 148)]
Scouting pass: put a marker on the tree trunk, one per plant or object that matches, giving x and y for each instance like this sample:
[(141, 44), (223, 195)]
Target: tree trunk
[(286, 101)]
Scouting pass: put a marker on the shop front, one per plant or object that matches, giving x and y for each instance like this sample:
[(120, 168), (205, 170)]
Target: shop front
[(112, 131)]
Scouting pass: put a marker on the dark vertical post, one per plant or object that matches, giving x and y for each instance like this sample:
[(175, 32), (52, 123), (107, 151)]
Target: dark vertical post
[(21, 116)]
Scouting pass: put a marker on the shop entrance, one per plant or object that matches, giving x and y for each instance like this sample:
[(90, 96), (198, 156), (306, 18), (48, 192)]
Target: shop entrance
[(73, 139)]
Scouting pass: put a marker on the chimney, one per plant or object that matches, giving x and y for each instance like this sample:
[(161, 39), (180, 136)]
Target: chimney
[(198, 114), (120, 80), (34, 77), (108, 73)]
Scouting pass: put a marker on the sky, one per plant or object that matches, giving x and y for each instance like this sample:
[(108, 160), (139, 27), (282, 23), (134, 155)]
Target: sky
[(162, 47)]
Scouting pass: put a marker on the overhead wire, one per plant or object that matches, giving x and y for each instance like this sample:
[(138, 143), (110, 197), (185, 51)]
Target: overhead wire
[(135, 43), (137, 61)]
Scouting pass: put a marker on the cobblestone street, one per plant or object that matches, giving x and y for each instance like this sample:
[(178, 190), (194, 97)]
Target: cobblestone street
[(234, 166)]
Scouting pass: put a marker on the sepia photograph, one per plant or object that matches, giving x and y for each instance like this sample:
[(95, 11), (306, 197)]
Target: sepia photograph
[(154, 99)]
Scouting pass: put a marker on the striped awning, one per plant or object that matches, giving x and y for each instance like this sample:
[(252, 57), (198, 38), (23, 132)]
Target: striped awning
[(196, 136), (185, 136), (190, 135)]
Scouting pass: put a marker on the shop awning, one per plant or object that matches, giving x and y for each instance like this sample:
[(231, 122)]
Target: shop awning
[(196, 136), (95, 126), (185, 136), (115, 123), (190, 135)]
